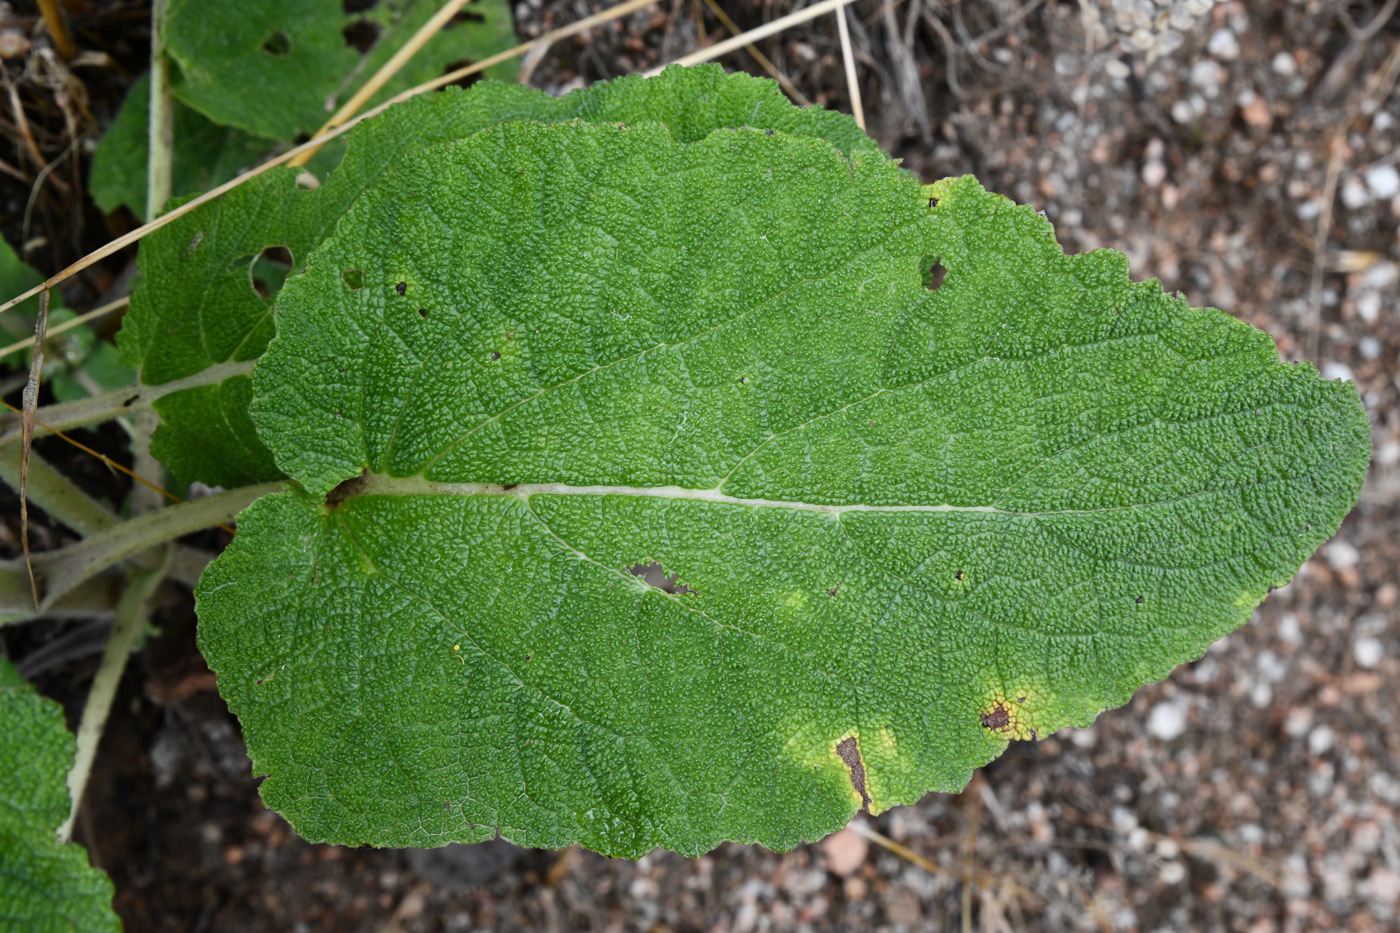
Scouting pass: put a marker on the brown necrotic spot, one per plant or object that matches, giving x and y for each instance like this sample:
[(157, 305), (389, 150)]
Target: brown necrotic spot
[(848, 750), (996, 718)]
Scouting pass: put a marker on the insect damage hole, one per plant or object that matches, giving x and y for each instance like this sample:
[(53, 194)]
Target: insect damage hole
[(932, 272), (848, 750), (361, 35), (653, 574), (278, 45), (354, 279)]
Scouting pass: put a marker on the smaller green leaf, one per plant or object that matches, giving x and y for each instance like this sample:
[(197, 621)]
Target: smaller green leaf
[(205, 154), (278, 68), (44, 887)]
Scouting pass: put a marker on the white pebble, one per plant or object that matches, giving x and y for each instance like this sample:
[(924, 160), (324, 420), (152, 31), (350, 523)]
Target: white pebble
[(1168, 848), (1321, 740), (1342, 555), (1223, 45), (1369, 306), (1283, 64), (1289, 630), (1117, 68), (1369, 347), (1153, 174), (1368, 651), (1354, 194), (1172, 872), (1167, 721), (1333, 369), (1182, 112), (1383, 181)]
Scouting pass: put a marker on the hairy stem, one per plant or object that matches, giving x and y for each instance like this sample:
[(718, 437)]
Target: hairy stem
[(125, 401), (55, 493), (65, 568), (126, 625)]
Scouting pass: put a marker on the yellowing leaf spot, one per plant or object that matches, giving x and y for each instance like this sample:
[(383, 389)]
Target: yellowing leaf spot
[(1013, 712)]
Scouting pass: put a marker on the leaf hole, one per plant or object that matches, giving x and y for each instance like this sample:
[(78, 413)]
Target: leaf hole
[(495, 355), (354, 279), (278, 45), (361, 35), (959, 575), (423, 313), (266, 271), (467, 81), (933, 272), (1140, 600), (653, 574), (464, 16)]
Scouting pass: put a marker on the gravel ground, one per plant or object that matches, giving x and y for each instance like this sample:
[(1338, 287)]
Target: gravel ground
[(1256, 790)]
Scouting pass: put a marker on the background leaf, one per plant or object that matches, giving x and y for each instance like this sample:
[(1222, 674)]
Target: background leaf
[(277, 68), (204, 300), (205, 154), (43, 887), (901, 527)]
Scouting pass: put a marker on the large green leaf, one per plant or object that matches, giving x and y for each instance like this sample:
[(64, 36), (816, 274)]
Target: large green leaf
[(44, 887), (202, 312), (886, 529), (277, 68)]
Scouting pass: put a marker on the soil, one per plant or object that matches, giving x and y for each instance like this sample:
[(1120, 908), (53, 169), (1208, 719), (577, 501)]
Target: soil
[(1228, 148)]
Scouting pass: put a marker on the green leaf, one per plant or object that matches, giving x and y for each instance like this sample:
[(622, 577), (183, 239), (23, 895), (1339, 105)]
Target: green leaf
[(205, 154), (652, 500), (200, 315), (278, 68), (43, 886)]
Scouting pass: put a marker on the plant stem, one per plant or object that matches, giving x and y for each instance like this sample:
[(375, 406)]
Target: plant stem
[(125, 401), (55, 493), (126, 625), (65, 568), (160, 131)]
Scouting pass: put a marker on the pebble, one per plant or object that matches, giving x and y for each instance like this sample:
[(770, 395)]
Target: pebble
[(1354, 194), (1223, 45), (1283, 64), (1172, 872), (844, 852), (1369, 347), (13, 43), (1333, 369), (1321, 740), (1153, 174), (1342, 555), (1167, 721), (1367, 651), (1383, 181)]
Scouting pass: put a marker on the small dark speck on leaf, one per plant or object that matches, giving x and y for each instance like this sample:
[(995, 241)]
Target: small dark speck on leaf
[(259, 681), (401, 287), (998, 718), (767, 132), (423, 313), (527, 657), (834, 590), (849, 752), (743, 380), (1140, 600), (509, 486), (128, 403), (960, 574), (495, 355), (1020, 699)]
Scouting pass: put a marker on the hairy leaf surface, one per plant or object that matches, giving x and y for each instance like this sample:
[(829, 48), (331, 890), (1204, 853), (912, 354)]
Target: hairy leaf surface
[(44, 888), (887, 529), (203, 309), (277, 68)]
